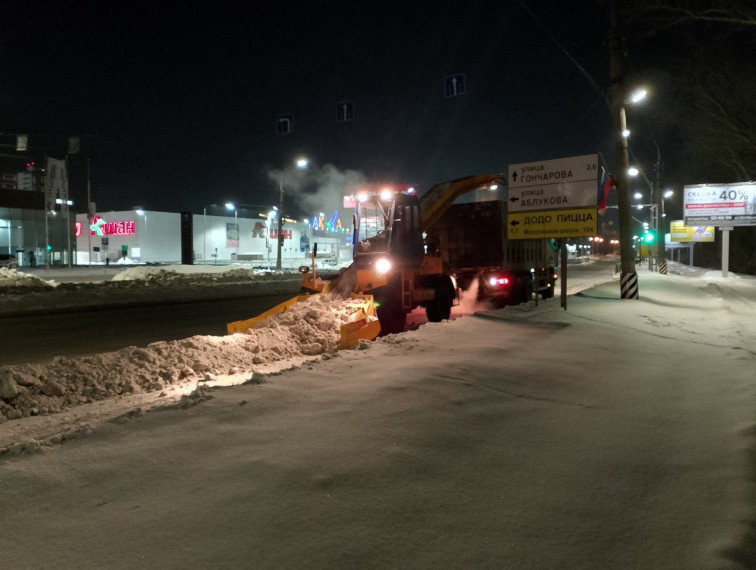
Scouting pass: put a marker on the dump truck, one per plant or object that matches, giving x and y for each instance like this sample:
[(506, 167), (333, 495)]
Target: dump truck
[(471, 240)]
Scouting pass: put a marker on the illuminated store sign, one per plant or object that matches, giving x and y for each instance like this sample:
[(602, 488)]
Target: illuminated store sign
[(332, 225), (261, 231), (100, 227)]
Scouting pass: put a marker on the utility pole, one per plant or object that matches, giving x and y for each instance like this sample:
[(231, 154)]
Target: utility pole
[(661, 254), (628, 276)]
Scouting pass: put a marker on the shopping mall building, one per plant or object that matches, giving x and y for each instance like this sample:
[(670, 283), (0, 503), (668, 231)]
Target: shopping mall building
[(155, 237)]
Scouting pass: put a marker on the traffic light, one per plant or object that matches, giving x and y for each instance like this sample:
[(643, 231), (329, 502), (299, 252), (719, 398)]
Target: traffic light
[(649, 236)]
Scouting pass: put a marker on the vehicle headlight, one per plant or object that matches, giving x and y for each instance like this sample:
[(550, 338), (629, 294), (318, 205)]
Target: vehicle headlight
[(383, 265)]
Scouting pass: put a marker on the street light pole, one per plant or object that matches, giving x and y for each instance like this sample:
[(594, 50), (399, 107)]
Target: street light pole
[(661, 260), (301, 163), (280, 220), (628, 276)]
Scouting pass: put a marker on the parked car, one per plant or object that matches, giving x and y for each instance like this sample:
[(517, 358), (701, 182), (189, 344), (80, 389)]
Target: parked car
[(8, 260)]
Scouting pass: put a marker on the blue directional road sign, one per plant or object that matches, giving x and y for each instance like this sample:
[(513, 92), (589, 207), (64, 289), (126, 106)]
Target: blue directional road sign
[(285, 124), (344, 111), (454, 85)]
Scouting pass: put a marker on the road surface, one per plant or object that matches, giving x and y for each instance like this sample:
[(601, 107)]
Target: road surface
[(39, 338)]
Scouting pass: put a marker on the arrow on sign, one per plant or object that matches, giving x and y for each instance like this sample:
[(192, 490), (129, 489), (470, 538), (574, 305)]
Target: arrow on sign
[(514, 176), (513, 199), (514, 223)]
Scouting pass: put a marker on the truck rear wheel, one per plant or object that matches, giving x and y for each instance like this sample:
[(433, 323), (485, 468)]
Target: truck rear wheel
[(391, 315), (526, 291), (548, 293), (440, 308)]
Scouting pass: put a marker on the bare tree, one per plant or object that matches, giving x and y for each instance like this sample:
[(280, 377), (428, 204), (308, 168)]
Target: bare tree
[(661, 14), (716, 114)]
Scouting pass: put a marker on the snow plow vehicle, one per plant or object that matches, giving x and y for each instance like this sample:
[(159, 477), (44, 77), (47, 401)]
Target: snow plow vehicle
[(396, 267), (390, 260)]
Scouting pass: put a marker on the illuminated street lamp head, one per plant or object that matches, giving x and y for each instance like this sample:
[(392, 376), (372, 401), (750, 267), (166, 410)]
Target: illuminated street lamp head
[(638, 195), (139, 211), (632, 171), (638, 96), (493, 187), (230, 206), (626, 133), (302, 163), (668, 193)]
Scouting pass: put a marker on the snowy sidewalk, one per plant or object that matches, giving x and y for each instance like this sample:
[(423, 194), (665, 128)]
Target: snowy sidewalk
[(615, 434)]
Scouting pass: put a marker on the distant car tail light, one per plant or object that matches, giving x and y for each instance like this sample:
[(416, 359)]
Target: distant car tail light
[(494, 281)]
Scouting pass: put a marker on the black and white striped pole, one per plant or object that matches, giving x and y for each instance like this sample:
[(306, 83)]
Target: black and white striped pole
[(628, 275)]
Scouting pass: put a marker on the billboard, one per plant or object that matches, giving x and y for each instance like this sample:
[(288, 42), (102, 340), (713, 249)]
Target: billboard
[(679, 232), (720, 204)]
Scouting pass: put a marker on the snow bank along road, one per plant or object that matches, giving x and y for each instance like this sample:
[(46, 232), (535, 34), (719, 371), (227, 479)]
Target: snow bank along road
[(613, 435)]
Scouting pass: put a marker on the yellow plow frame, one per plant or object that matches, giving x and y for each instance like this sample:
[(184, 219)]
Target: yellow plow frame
[(363, 323)]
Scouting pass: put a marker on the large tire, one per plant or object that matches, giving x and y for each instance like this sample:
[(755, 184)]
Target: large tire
[(391, 315), (440, 308), (548, 293), (526, 290)]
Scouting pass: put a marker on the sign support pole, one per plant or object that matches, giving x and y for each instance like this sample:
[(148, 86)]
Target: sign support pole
[(563, 271), (725, 251)]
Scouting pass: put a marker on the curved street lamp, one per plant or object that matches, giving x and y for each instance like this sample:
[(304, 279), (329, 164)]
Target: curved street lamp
[(229, 206), (301, 164), (139, 211)]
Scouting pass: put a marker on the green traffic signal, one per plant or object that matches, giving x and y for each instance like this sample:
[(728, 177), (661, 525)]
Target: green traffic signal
[(649, 236)]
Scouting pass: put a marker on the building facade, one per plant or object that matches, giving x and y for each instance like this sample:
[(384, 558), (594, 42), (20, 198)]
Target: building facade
[(155, 237)]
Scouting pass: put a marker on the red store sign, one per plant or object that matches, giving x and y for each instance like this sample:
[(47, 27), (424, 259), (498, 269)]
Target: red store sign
[(100, 227)]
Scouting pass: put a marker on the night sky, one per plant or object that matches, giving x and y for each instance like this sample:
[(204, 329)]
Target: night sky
[(176, 103)]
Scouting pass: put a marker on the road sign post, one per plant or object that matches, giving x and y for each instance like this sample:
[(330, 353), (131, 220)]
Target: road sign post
[(554, 199)]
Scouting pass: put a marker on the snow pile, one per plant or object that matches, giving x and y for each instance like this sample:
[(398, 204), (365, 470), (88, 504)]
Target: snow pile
[(173, 283), (308, 329), (14, 278), (176, 275)]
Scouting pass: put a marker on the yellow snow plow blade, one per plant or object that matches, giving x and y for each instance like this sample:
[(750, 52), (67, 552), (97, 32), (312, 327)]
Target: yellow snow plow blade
[(245, 325), (363, 323)]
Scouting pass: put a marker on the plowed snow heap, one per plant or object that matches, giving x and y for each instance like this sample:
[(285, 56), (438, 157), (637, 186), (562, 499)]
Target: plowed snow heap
[(308, 328)]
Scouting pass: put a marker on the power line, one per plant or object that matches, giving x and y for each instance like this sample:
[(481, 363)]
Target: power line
[(582, 70)]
